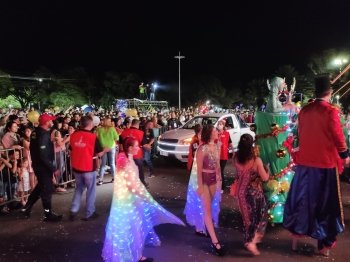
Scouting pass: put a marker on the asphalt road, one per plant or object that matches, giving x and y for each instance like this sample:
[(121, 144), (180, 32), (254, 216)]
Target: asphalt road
[(34, 240)]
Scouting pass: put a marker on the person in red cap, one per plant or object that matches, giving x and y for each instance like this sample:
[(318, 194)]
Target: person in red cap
[(42, 153)]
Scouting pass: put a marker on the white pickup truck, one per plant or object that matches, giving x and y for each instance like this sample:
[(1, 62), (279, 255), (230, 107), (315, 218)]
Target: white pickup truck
[(175, 143)]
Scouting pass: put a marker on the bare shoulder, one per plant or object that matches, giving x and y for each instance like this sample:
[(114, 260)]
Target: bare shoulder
[(258, 161)]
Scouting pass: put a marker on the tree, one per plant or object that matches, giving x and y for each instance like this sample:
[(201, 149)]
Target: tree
[(303, 84), (325, 62), (10, 100), (233, 97), (5, 84), (118, 86), (206, 87), (258, 89), (24, 91), (68, 94)]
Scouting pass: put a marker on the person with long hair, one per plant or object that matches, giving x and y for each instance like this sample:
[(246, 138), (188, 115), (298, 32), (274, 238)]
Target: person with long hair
[(133, 212), (27, 131), (249, 192), (203, 193), (109, 138), (11, 139), (60, 150)]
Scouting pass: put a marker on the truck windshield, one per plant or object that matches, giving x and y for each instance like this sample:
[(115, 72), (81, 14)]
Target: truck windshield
[(203, 120), (242, 123)]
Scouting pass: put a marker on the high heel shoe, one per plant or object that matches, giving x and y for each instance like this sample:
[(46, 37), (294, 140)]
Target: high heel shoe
[(219, 251), (294, 243), (251, 247), (325, 250)]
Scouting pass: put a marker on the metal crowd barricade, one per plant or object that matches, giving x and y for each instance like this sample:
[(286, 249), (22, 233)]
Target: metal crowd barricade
[(157, 132), (8, 189), (63, 162)]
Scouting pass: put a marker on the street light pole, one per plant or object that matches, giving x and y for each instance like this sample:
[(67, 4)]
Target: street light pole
[(179, 57)]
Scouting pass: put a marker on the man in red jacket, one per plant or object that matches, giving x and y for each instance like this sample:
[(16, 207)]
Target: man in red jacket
[(85, 147), (134, 132), (313, 206)]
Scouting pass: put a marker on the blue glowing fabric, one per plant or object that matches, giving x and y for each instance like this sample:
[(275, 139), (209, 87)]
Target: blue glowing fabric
[(313, 207), (194, 209), (133, 215)]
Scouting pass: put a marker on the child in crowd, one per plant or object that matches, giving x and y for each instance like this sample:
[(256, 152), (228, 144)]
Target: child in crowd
[(23, 185), (26, 153)]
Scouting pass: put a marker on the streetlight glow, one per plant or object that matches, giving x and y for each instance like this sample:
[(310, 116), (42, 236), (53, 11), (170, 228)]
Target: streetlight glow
[(340, 61)]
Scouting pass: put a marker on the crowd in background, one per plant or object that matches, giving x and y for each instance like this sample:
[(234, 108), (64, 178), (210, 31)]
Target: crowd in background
[(17, 177)]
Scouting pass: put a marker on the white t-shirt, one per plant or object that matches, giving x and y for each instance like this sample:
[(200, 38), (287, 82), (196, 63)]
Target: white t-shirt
[(348, 127)]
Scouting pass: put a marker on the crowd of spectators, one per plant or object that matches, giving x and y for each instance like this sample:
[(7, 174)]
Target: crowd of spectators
[(15, 130)]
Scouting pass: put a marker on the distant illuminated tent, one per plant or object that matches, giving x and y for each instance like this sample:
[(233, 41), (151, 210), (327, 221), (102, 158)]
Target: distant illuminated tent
[(88, 109)]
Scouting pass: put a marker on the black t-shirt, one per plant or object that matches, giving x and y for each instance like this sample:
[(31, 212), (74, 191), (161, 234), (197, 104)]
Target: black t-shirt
[(174, 123), (160, 122), (148, 135)]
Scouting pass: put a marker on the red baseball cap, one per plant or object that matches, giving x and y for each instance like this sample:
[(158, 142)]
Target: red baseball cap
[(44, 118)]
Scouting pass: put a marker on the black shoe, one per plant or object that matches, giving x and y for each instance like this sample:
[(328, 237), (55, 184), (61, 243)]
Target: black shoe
[(26, 210), (52, 217), (72, 216), (220, 252), (148, 259), (146, 184), (93, 216), (112, 180), (100, 183), (151, 175), (202, 234)]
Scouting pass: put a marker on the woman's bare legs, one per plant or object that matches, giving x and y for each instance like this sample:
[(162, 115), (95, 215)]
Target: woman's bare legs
[(207, 198)]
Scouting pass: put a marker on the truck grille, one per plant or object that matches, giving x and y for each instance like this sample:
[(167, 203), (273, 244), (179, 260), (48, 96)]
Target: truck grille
[(169, 140), (166, 147)]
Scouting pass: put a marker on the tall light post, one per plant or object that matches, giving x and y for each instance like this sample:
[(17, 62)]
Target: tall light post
[(179, 57)]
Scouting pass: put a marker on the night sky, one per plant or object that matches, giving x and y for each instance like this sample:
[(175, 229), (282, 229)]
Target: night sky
[(232, 40)]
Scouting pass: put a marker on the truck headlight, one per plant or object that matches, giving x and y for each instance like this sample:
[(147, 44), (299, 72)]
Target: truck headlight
[(185, 142)]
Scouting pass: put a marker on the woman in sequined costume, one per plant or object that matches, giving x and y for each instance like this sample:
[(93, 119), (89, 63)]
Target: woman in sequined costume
[(203, 194), (133, 213), (250, 196)]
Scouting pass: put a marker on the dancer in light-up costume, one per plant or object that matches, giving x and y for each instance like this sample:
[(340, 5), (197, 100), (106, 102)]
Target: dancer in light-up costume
[(203, 194), (133, 213)]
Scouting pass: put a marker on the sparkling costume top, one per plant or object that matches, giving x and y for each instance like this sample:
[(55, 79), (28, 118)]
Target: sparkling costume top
[(194, 209), (133, 215), (210, 160)]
